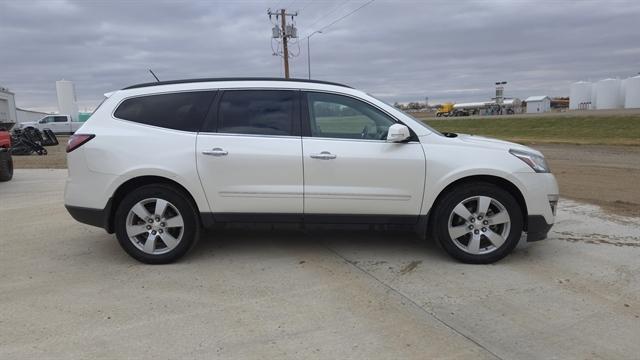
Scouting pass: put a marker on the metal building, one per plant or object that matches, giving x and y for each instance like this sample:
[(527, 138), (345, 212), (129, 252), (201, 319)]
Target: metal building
[(24, 115), (538, 104), (580, 96), (608, 94), (632, 93), (7, 108)]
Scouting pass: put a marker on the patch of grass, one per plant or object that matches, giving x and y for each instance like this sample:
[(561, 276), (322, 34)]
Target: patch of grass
[(583, 129)]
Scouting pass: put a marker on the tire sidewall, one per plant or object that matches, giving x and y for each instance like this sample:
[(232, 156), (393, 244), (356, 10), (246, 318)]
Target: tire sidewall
[(184, 205), (6, 166), (448, 203)]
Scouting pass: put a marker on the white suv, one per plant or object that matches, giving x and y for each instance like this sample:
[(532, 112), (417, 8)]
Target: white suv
[(156, 162)]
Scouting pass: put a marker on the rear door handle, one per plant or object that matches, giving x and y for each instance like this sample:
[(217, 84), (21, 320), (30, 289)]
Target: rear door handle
[(325, 155), (215, 152)]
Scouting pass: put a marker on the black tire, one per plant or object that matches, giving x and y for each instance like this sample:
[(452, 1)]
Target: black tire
[(184, 205), (6, 165), (445, 207)]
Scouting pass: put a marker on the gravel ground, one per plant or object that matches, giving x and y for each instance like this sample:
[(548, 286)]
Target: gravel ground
[(68, 291)]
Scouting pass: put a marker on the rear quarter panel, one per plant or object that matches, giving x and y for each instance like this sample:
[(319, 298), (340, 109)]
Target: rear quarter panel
[(123, 150)]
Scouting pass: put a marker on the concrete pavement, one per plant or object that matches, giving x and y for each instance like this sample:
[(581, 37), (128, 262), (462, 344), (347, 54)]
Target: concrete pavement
[(68, 291)]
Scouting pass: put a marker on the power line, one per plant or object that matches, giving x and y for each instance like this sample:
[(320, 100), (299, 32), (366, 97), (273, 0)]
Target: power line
[(346, 15), (331, 11), (305, 5)]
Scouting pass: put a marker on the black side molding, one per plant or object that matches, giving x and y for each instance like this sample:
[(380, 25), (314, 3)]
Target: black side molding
[(208, 218), (537, 228)]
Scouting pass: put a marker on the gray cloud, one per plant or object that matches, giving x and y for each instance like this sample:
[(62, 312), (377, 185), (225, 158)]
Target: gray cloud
[(398, 50)]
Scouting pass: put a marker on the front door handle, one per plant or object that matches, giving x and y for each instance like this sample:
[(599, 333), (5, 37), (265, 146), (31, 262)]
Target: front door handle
[(325, 155), (215, 152)]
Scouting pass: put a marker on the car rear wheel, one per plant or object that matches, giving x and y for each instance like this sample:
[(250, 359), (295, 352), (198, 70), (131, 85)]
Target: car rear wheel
[(478, 223), (156, 224), (6, 165)]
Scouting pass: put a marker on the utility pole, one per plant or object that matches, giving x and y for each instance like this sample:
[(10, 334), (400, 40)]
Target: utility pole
[(285, 48), (284, 32)]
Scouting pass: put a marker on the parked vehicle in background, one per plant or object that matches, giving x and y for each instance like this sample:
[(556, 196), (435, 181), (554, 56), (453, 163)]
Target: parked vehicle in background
[(6, 161), (59, 124), (157, 161), (448, 109)]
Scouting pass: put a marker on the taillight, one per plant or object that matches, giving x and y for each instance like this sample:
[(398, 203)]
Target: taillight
[(77, 140)]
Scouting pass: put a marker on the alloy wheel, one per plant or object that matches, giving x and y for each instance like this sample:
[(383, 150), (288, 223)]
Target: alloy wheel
[(155, 226), (479, 225)]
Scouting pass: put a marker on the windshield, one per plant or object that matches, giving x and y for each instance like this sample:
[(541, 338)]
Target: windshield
[(421, 122)]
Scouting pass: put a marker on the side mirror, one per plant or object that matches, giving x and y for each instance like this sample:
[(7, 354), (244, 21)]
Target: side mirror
[(398, 133)]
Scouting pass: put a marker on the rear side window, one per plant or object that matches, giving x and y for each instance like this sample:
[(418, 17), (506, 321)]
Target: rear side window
[(179, 111), (60, 119), (261, 112)]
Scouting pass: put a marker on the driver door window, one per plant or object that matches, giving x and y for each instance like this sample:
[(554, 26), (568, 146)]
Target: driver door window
[(336, 116)]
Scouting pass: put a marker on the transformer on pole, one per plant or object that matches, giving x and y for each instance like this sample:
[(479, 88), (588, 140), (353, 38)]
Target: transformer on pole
[(283, 31)]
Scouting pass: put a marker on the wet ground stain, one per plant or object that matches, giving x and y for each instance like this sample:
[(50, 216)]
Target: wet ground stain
[(598, 239), (410, 267)]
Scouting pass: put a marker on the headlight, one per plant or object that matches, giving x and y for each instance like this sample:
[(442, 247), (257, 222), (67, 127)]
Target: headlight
[(537, 162)]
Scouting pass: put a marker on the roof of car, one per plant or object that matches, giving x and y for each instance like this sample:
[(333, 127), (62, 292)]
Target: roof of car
[(186, 81)]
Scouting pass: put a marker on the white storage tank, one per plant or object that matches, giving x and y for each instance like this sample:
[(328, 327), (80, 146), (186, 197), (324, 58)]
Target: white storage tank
[(608, 94), (580, 95), (632, 93), (67, 102)]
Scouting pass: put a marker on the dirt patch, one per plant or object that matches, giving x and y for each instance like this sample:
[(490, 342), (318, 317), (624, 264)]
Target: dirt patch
[(55, 159), (599, 239), (606, 176)]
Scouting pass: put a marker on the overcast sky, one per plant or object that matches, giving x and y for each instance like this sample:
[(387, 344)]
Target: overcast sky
[(397, 50)]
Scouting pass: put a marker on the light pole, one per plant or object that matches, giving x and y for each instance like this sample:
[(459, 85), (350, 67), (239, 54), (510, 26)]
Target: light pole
[(309, 51)]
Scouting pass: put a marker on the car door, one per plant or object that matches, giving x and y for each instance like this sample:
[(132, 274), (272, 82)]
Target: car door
[(350, 168), (60, 125), (46, 122), (249, 156)]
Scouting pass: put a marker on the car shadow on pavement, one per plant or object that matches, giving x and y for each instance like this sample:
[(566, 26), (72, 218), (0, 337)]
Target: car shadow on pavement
[(267, 240)]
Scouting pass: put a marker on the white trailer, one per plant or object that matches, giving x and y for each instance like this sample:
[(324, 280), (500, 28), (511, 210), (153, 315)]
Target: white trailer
[(8, 114)]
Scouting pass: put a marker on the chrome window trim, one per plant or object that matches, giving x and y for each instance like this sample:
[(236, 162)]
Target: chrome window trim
[(248, 135), (359, 140)]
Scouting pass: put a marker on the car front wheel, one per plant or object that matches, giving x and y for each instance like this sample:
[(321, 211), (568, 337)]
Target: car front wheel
[(478, 223), (156, 224)]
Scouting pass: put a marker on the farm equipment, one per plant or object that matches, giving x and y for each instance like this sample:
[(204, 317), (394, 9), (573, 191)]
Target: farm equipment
[(449, 109), (32, 141)]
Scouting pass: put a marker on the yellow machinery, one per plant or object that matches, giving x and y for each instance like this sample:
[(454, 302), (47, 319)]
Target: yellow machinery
[(451, 109), (446, 109)]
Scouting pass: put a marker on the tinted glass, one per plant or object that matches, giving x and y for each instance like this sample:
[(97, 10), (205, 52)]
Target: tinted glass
[(263, 112), (47, 119), (336, 116), (60, 119), (180, 111)]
